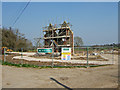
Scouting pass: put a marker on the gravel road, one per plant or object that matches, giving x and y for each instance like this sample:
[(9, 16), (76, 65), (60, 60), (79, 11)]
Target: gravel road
[(99, 77)]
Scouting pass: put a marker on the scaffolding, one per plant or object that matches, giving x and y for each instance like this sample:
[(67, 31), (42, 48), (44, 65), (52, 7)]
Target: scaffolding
[(59, 37)]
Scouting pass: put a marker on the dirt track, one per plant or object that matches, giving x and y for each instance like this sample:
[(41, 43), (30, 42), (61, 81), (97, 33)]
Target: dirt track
[(100, 77)]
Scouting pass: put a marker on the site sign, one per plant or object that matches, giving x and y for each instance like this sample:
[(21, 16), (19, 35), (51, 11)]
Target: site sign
[(44, 50), (66, 54)]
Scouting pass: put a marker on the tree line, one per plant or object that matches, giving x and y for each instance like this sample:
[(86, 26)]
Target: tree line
[(107, 45), (15, 40)]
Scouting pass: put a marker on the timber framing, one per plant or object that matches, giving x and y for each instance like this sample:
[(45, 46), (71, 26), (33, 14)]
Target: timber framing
[(58, 37)]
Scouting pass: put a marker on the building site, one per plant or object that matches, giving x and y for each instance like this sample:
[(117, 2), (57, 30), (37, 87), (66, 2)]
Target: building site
[(64, 59), (59, 37), (64, 45)]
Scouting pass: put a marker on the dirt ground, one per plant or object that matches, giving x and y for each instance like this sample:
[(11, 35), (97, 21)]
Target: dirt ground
[(97, 77)]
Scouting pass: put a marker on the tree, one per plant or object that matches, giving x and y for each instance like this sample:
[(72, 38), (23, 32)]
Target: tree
[(8, 38), (37, 42), (15, 40), (78, 41)]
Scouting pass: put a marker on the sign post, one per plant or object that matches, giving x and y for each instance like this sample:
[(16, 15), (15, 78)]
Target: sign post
[(46, 50), (66, 54)]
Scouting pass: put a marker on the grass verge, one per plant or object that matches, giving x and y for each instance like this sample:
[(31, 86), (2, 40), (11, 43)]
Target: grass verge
[(35, 66)]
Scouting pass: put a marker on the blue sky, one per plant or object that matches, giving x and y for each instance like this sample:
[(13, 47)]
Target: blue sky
[(94, 22)]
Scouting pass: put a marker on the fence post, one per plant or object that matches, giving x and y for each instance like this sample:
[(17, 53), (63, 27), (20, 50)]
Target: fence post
[(4, 55), (21, 55), (52, 56), (113, 55), (21, 52), (87, 57)]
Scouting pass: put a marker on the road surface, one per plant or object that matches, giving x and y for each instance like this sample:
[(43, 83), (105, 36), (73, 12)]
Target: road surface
[(97, 77)]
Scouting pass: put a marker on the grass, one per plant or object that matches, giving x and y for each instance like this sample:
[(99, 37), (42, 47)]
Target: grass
[(32, 50), (94, 48), (35, 66), (18, 65)]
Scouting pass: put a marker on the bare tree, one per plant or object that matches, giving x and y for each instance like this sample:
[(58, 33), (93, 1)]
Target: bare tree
[(78, 41), (37, 42)]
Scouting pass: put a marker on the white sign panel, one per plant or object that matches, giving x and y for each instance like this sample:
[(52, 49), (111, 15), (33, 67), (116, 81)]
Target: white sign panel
[(66, 54)]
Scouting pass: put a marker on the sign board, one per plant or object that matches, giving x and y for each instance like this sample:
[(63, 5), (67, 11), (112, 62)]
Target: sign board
[(44, 50), (66, 54)]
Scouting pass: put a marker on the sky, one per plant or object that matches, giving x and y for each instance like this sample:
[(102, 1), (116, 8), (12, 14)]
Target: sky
[(94, 22)]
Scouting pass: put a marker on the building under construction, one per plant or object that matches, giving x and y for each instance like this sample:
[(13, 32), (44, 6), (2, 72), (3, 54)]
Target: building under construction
[(58, 37)]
